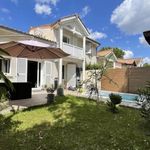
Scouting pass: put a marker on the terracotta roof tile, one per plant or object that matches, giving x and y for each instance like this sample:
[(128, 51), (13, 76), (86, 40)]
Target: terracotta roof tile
[(130, 61), (103, 53)]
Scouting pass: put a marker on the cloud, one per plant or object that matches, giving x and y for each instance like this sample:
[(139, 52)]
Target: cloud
[(5, 10), (14, 1), (146, 60), (143, 41), (53, 2), (111, 40), (85, 11), (43, 9), (6, 18), (132, 16), (44, 6), (97, 35), (128, 54)]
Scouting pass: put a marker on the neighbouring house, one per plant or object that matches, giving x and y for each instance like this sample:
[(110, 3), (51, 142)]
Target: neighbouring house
[(107, 56), (71, 35), (114, 62), (129, 63)]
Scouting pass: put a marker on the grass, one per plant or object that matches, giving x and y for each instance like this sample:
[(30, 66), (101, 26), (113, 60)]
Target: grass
[(74, 124)]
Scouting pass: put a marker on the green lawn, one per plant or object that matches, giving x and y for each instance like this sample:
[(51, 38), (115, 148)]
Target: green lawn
[(74, 124)]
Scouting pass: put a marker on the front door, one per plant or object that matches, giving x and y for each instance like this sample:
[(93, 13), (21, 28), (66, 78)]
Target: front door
[(32, 73)]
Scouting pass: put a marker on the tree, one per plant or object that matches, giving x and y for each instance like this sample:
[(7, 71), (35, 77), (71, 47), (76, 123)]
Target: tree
[(7, 82), (144, 97), (94, 76), (117, 51), (146, 65)]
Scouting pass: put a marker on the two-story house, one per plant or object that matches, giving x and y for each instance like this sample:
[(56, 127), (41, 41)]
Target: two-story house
[(71, 35)]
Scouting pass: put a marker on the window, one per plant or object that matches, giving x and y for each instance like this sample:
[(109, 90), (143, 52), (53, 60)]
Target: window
[(66, 39), (78, 72), (63, 72), (0, 64), (5, 65)]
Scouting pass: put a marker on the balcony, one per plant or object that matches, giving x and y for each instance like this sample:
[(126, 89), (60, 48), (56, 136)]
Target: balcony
[(74, 51)]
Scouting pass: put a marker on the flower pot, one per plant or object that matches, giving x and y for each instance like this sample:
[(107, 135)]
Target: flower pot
[(50, 98), (60, 91)]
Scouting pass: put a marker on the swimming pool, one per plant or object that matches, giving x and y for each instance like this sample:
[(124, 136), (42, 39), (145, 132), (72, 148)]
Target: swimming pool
[(125, 96)]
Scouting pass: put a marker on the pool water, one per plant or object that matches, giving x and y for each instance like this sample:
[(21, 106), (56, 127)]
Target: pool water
[(125, 96)]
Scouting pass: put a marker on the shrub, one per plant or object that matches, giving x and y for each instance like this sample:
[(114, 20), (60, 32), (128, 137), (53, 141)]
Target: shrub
[(115, 99), (144, 97), (93, 66), (3, 94)]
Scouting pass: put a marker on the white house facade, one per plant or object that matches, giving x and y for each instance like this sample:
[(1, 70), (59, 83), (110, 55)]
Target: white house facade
[(38, 72), (71, 35)]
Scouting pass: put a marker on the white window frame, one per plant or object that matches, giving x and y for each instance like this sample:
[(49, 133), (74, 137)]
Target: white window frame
[(67, 38), (6, 69)]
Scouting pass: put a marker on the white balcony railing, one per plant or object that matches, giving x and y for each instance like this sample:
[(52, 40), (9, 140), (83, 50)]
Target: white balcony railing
[(74, 51)]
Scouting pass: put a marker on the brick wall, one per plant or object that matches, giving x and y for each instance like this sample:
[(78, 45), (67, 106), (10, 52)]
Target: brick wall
[(125, 79)]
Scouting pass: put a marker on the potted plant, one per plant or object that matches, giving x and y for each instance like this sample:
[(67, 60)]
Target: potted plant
[(50, 94), (60, 90)]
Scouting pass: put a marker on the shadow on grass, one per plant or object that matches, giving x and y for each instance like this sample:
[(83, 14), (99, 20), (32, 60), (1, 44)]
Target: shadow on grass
[(79, 124), (7, 124)]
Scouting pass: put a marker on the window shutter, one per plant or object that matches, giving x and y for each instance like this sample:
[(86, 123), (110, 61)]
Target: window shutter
[(21, 70), (48, 73)]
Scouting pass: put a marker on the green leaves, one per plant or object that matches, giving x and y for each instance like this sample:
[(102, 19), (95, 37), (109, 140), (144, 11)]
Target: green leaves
[(7, 82), (144, 97), (117, 51), (114, 100), (3, 52)]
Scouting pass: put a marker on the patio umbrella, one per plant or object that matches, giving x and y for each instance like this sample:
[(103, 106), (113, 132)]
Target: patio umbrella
[(147, 36), (26, 50)]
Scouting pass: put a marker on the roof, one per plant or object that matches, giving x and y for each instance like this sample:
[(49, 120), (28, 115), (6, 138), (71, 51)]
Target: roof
[(93, 40), (21, 32), (130, 61), (51, 25), (104, 53)]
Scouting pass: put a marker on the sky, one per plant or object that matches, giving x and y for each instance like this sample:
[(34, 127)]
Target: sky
[(114, 23)]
